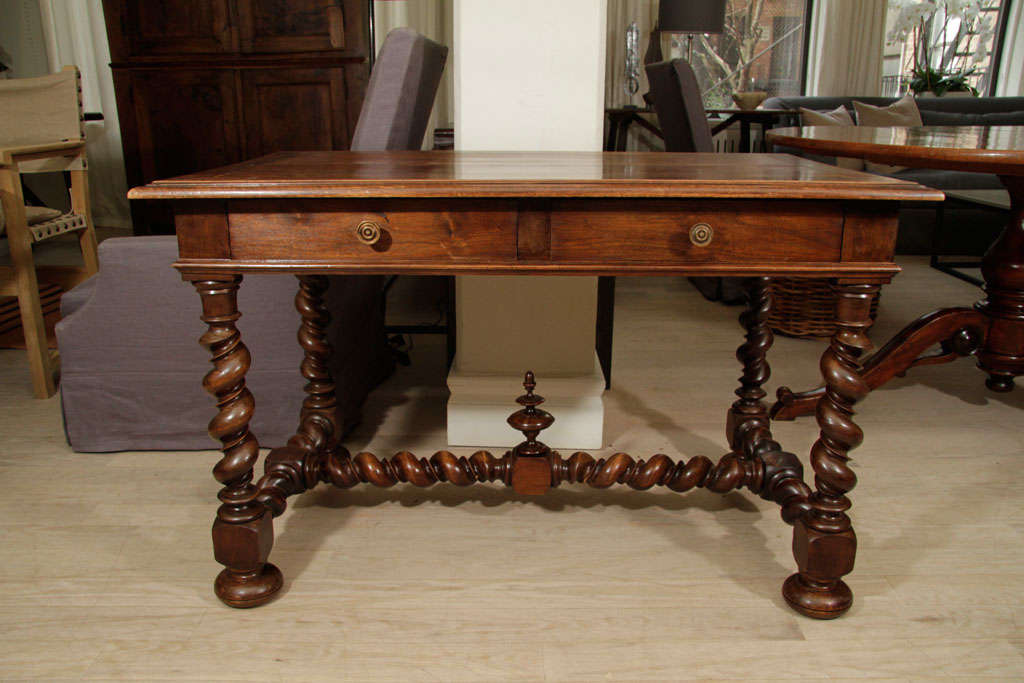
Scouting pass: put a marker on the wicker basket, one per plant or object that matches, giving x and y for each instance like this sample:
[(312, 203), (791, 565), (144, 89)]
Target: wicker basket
[(805, 308)]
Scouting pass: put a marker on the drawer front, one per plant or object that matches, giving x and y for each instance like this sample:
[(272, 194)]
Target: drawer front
[(369, 232), (696, 232)]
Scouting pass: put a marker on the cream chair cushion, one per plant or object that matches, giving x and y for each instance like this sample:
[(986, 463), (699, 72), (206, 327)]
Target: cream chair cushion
[(33, 214)]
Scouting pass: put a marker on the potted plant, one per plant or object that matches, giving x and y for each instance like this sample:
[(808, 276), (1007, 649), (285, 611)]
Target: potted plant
[(942, 41), (928, 82)]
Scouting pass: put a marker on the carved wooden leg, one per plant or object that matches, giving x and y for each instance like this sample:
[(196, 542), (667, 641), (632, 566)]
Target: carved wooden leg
[(243, 531), (749, 412), (318, 427), (1002, 355), (748, 427), (302, 463), (823, 540)]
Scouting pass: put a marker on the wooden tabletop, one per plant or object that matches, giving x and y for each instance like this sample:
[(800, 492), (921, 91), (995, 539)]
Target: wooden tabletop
[(989, 149), (445, 174)]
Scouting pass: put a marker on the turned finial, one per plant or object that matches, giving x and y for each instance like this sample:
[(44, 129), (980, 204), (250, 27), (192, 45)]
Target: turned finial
[(530, 420)]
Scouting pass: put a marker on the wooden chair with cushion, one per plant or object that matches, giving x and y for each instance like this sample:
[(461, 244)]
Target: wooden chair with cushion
[(41, 129)]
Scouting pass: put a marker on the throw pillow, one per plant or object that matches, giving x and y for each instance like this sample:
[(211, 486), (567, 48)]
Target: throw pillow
[(902, 112), (840, 116)]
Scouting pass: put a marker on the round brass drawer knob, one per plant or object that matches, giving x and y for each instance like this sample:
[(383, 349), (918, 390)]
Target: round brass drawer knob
[(368, 233), (701, 234)]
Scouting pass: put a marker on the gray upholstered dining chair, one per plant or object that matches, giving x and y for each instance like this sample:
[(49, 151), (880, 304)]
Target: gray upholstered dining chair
[(680, 109), (401, 93), (679, 106), (134, 326), (394, 116)]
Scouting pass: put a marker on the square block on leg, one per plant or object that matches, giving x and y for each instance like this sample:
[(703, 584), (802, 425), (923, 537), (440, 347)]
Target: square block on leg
[(531, 476)]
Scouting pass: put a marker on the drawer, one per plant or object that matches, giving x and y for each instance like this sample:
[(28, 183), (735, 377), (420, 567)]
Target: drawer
[(684, 231), (368, 232)]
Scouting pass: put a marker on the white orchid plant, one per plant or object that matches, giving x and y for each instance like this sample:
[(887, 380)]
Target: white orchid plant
[(947, 40)]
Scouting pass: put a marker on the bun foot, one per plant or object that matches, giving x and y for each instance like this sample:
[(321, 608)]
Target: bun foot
[(248, 590), (817, 601), (1000, 383)]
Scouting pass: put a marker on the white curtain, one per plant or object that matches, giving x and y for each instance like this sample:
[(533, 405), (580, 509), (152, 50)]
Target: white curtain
[(620, 14), (847, 40), (75, 34), (432, 18)]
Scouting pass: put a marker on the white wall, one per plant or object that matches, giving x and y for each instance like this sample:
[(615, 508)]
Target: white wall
[(529, 74)]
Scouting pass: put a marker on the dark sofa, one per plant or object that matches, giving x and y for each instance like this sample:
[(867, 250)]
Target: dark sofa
[(916, 224)]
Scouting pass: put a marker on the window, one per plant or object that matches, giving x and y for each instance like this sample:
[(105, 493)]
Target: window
[(950, 36), (762, 48)]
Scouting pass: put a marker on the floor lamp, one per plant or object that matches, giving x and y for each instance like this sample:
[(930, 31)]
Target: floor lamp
[(691, 17)]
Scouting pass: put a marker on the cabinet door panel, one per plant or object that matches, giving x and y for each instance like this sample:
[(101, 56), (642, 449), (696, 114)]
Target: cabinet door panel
[(187, 120), (301, 25), (294, 109), (166, 27)]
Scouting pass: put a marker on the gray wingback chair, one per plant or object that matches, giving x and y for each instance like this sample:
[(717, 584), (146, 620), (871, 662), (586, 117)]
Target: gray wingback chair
[(131, 364)]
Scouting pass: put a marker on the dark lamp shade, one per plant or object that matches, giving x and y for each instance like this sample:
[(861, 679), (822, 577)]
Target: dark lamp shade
[(691, 16)]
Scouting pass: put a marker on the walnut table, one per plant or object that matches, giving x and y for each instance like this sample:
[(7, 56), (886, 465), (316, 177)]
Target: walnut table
[(316, 213), (992, 331)]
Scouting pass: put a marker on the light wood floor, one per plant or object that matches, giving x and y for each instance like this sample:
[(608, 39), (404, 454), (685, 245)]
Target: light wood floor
[(106, 562)]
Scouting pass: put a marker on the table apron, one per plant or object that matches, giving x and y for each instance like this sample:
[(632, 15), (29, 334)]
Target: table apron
[(693, 237)]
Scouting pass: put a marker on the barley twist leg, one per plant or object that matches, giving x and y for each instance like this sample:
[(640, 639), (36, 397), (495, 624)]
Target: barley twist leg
[(747, 426), (299, 465), (824, 543), (243, 531), (749, 413)]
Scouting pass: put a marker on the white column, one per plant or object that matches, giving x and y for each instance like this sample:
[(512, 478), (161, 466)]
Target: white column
[(529, 75)]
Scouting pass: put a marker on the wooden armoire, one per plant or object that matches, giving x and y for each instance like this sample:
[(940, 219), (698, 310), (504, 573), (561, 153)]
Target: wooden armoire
[(203, 83)]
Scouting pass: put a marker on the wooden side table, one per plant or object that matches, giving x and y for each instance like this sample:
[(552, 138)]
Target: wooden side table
[(310, 214), (619, 121), (621, 118), (766, 118)]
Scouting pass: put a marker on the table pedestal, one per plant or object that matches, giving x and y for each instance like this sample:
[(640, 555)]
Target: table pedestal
[(992, 331)]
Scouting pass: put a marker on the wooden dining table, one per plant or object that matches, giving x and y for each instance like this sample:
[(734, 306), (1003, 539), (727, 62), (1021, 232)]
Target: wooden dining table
[(312, 214), (992, 331)]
